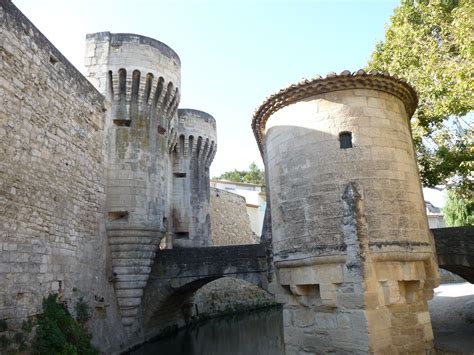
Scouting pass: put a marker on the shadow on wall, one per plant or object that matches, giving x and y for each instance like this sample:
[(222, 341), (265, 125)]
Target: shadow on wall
[(206, 298)]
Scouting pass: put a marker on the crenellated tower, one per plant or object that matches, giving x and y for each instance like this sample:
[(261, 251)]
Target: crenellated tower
[(192, 157), (140, 78)]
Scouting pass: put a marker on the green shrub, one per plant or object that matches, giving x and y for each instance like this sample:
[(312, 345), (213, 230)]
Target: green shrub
[(4, 342), (59, 333), (3, 325), (19, 338), (27, 326), (82, 309)]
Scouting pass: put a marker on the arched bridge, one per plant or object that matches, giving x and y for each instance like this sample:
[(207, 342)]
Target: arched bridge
[(178, 273), (455, 250)]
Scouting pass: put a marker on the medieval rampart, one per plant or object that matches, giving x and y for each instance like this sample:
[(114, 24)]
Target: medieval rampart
[(86, 173), (52, 179), (230, 221)]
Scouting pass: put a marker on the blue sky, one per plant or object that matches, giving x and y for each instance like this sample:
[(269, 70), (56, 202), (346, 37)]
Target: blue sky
[(233, 53)]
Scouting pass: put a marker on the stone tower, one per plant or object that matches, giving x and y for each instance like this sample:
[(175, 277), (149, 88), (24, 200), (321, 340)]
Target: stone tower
[(353, 256), (197, 144), (140, 78)]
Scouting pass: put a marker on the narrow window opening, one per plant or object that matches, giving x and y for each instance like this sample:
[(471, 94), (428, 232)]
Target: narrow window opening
[(52, 59), (122, 73), (118, 215), (190, 146), (345, 140), (149, 80), (135, 85), (110, 83), (161, 130), (122, 122), (179, 175), (181, 235), (159, 89)]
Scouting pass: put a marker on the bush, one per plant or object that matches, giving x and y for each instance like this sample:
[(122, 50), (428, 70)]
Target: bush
[(82, 311), (59, 333), (3, 325)]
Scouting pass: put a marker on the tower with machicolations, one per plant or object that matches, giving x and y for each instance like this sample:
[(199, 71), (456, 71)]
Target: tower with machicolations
[(353, 256), (197, 144), (158, 162)]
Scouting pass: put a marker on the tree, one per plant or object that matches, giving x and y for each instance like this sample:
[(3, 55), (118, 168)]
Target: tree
[(430, 44), (458, 211), (253, 176)]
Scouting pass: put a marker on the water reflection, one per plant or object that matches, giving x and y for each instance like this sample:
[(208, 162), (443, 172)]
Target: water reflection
[(259, 332)]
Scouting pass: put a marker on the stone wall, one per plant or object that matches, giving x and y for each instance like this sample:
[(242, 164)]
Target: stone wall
[(229, 295), (52, 180), (229, 218)]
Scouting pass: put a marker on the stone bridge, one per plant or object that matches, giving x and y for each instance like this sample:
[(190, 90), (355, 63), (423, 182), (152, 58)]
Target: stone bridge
[(178, 273), (455, 250)]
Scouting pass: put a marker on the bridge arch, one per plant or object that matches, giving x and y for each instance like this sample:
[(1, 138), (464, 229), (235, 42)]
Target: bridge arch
[(455, 250), (177, 274)]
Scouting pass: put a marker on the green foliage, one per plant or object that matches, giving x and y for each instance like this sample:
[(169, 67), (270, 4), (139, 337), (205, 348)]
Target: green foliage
[(59, 333), (430, 44), (3, 325), (4, 342), (20, 340), (82, 311), (253, 176), (27, 326), (459, 211)]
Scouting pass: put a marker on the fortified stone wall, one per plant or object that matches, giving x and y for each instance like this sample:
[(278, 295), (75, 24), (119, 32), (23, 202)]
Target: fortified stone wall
[(86, 176), (52, 181), (230, 221)]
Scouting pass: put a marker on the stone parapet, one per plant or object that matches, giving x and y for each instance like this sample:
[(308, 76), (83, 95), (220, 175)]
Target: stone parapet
[(332, 82), (198, 136)]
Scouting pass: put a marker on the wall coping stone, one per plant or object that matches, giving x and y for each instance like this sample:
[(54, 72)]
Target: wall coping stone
[(332, 82), (24, 25), (198, 114), (119, 38)]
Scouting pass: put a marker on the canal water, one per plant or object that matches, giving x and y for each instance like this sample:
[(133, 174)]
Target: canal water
[(256, 333)]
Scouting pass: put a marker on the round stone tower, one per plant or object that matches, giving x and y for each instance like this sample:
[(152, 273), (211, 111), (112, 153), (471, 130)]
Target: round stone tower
[(140, 78), (353, 255), (193, 155)]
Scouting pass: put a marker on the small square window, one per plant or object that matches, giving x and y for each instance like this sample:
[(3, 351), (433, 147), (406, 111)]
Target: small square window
[(345, 140)]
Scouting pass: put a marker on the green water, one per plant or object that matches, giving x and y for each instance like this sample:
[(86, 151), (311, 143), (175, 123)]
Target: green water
[(255, 333)]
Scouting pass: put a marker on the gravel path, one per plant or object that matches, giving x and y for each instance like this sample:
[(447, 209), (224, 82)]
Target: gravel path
[(452, 317)]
